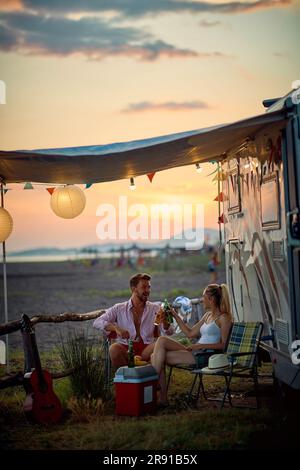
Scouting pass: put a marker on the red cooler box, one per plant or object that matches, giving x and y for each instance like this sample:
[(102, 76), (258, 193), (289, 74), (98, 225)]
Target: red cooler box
[(135, 389)]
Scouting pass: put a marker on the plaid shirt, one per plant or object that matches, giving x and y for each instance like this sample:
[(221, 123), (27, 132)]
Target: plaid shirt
[(121, 314)]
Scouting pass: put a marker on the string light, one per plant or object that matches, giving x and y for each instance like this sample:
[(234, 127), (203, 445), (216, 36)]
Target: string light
[(198, 168), (132, 185)]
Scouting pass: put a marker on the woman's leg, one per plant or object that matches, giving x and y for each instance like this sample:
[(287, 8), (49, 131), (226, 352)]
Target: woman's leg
[(170, 352), (173, 358), (147, 352), (179, 357), (162, 346), (163, 386)]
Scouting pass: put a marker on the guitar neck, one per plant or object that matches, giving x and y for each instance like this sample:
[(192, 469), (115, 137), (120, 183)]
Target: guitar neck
[(28, 353), (37, 360), (32, 357)]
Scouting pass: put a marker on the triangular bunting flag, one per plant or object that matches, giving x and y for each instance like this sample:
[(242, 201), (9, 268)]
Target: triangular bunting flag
[(222, 219), (50, 190), (28, 186), (221, 197), (220, 176), (88, 185), (150, 176)]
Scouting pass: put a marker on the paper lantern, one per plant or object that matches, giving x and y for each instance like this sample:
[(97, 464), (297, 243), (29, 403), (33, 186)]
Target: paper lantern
[(6, 224), (67, 202)]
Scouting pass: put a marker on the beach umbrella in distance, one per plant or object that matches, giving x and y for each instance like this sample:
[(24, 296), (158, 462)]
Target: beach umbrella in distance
[(67, 202), (6, 224)]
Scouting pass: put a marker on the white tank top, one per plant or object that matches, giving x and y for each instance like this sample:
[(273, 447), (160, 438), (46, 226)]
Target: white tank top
[(210, 333)]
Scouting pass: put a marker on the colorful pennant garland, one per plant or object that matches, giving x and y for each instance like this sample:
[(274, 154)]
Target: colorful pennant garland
[(150, 176), (220, 176), (29, 185), (222, 219), (221, 197)]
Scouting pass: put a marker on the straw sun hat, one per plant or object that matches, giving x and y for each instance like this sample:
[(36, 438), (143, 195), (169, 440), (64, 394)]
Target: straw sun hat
[(216, 362)]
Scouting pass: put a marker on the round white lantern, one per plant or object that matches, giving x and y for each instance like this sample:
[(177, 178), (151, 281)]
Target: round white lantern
[(6, 224), (68, 202)]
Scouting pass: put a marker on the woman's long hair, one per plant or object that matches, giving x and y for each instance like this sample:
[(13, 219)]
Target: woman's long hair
[(221, 295)]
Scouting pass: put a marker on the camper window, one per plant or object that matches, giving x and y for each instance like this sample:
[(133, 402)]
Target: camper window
[(234, 196), (269, 197)]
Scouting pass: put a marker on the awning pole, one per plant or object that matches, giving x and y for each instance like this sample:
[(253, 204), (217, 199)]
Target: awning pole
[(219, 212), (5, 284)]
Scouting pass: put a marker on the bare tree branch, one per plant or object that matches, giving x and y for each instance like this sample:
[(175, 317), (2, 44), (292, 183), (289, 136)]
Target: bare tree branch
[(18, 378), (15, 325)]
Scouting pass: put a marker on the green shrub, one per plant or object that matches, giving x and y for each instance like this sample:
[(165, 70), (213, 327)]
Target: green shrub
[(87, 359)]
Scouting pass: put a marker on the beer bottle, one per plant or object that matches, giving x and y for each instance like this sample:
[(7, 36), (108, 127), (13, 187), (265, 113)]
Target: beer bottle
[(130, 354), (167, 309)]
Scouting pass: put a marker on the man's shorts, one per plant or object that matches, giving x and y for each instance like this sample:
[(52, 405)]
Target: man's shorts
[(138, 347)]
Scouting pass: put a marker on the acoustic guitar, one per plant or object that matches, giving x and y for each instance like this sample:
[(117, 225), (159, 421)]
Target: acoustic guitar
[(41, 404)]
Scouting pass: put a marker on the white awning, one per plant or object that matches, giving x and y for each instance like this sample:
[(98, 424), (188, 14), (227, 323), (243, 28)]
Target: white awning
[(94, 164)]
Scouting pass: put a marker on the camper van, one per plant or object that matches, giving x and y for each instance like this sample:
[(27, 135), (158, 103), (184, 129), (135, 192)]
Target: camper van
[(261, 201)]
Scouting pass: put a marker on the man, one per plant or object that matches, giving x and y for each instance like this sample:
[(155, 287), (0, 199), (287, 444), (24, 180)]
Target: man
[(134, 320)]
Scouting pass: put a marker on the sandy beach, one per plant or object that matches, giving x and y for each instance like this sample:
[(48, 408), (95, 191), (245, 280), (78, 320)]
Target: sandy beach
[(58, 287)]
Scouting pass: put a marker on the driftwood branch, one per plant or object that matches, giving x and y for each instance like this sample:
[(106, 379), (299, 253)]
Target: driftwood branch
[(12, 380), (15, 325), (18, 378)]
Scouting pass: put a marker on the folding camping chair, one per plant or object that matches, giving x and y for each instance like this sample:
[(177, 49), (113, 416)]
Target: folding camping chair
[(242, 352), (196, 315)]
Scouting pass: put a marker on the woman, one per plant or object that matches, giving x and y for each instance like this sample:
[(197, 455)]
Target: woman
[(213, 266), (213, 328)]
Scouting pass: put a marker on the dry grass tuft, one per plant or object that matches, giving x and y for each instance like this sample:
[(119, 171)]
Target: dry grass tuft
[(85, 410)]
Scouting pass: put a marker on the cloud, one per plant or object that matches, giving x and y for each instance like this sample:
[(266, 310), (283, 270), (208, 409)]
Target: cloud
[(134, 8), (11, 5), (145, 106), (91, 37)]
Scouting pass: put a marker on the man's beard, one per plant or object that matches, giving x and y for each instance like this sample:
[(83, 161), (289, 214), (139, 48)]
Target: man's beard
[(143, 297)]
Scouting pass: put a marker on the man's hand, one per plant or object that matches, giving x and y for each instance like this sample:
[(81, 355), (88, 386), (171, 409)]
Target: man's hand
[(122, 332)]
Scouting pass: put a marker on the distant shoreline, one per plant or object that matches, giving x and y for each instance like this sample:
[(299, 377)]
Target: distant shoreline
[(57, 258)]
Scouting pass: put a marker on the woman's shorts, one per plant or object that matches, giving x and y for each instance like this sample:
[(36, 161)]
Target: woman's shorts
[(202, 359), (211, 267)]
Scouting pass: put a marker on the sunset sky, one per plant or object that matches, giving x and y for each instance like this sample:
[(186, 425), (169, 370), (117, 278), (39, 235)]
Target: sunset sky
[(96, 72)]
